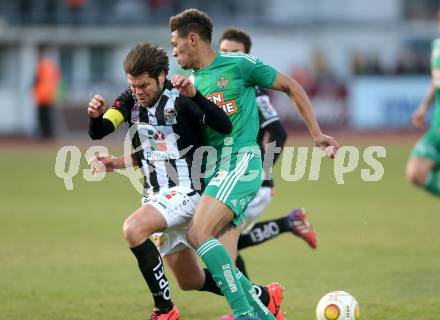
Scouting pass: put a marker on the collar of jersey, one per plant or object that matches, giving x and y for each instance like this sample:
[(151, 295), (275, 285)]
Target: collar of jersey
[(217, 55)]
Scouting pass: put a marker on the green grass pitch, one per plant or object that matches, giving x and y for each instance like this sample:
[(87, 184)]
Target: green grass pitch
[(62, 254)]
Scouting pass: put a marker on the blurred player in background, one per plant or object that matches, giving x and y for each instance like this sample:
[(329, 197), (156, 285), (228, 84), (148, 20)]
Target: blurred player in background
[(423, 168), (271, 132), (45, 89), (229, 79)]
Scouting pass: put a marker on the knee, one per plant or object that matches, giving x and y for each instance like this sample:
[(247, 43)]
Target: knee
[(129, 230), (196, 237), (133, 232), (416, 177)]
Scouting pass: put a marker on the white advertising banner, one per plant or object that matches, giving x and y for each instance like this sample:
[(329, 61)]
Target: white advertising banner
[(384, 102)]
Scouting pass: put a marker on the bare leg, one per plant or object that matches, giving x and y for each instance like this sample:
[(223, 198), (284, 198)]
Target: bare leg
[(418, 169)]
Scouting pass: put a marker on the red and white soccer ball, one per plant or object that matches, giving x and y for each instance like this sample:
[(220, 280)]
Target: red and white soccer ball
[(337, 305)]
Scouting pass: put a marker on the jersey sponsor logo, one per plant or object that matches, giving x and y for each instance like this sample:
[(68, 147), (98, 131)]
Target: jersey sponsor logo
[(158, 145), (157, 140), (170, 116), (161, 155), (170, 195), (228, 106), (222, 82), (218, 178)]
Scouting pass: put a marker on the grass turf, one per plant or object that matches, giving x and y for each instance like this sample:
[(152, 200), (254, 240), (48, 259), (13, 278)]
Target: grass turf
[(62, 255)]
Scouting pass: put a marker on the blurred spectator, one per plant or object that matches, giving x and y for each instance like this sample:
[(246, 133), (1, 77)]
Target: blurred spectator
[(47, 78), (305, 79), (326, 91)]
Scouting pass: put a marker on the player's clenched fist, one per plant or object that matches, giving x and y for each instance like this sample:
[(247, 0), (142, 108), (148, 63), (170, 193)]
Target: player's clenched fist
[(96, 106), (328, 144), (183, 85)]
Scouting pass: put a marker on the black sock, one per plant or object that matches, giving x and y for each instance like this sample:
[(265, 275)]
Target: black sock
[(211, 286), (239, 262), (262, 294), (151, 266), (264, 231)]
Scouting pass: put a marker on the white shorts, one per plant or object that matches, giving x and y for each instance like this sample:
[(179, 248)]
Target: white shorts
[(255, 208), (177, 205)]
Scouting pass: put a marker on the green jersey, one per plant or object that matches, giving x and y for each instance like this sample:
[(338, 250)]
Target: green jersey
[(428, 146), (229, 81), (435, 70)]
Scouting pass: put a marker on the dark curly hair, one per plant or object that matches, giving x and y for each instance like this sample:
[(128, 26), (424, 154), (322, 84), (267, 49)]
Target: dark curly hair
[(238, 35), (192, 20), (146, 58)]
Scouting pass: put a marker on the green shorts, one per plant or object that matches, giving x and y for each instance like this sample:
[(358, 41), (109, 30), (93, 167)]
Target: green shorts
[(237, 185), (428, 146)]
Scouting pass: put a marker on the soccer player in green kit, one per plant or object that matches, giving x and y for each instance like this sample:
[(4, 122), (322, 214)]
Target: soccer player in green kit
[(229, 80), (423, 168)]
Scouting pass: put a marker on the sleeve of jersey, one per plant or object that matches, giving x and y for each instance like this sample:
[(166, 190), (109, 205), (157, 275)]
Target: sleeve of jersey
[(114, 116), (100, 127), (120, 111), (214, 116), (258, 73)]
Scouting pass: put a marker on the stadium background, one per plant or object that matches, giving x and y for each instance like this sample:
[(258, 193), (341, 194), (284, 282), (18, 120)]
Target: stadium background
[(365, 65)]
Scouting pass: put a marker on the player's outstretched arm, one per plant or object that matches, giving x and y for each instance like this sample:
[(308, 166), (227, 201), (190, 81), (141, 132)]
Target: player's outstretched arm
[(302, 102), (418, 117), (109, 163)]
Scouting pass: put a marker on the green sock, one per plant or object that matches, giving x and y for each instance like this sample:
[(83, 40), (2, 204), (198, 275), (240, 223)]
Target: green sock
[(432, 183), (252, 297), (219, 263)]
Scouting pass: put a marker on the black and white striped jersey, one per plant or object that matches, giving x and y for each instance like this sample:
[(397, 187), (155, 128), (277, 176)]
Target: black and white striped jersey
[(266, 112), (269, 124), (163, 136)]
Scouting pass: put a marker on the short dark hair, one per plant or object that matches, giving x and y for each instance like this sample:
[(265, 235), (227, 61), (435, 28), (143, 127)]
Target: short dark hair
[(238, 35), (146, 58), (192, 20)]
